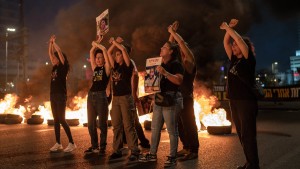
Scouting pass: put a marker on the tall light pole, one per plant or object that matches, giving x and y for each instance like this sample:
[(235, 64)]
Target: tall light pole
[(6, 53)]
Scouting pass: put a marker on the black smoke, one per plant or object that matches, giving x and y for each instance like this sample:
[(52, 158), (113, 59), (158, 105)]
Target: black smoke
[(283, 9), (143, 25)]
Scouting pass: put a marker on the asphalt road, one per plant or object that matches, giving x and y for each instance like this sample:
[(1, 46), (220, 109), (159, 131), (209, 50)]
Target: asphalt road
[(26, 146)]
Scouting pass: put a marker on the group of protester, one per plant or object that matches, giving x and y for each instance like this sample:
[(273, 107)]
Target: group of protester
[(113, 68)]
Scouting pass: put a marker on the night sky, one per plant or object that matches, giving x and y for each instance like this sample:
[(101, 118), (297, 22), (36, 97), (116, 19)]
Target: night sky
[(272, 29)]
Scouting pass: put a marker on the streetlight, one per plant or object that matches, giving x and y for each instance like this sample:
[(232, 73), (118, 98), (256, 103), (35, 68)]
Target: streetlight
[(6, 53)]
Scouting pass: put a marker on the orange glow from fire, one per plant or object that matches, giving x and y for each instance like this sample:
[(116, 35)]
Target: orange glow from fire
[(203, 106)]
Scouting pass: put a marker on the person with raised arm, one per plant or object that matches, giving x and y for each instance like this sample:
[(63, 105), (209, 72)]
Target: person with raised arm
[(58, 94), (243, 103), (171, 73), (122, 116), (97, 103), (188, 132)]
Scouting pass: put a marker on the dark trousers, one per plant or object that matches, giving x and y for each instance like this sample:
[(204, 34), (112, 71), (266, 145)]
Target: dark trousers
[(188, 132), (58, 107), (139, 131), (244, 114), (97, 106)]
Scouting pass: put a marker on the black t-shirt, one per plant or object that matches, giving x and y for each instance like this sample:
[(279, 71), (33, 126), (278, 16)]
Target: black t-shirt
[(121, 77), (187, 86), (100, 79), (173, 67), (59, 79), (239, 86)]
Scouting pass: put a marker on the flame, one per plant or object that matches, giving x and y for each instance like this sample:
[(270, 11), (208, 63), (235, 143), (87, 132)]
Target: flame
[(205, 112), (8, 106)]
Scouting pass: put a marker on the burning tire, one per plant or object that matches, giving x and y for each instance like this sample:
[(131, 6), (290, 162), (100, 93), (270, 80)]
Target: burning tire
[(50, 122), (71, 122), (2, 118), (35, 119), (219, 130), (147, 125), (109, 124), (13, 119)]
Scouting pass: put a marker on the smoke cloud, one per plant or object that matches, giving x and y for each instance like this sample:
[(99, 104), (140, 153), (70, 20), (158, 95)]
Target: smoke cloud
[(143, 25)]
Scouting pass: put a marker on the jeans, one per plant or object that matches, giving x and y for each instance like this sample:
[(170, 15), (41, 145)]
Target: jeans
[(188, 132), (97, 106), (122, 115), (58, 107), (169, 115)]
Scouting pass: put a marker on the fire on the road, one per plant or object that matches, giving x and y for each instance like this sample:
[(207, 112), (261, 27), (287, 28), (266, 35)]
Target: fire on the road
[(203, 105)]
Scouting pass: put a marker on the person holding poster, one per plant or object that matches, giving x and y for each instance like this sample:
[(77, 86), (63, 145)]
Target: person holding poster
[(97, 104), (122, 114), (171, 71), (188, 132)]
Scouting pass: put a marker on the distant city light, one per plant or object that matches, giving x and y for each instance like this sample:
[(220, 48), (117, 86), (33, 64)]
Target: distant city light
[(11, 29), (27, 79), (84, 66), (275, 63), (225, 77), (222, 68), (47, 63)]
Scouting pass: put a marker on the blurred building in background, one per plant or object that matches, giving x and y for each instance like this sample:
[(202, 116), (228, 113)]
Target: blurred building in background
[(13, 45)]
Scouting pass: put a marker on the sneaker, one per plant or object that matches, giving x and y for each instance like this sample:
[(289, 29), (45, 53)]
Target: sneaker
[(170, 161), (182, 152), (101, 152), (133, 157), (91, 150), (190, 156), (70, 147), (148, 157), (115, 156), (56, 147)]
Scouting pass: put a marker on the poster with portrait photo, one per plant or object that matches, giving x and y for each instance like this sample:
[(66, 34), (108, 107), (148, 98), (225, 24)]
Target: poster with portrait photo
[(102, 23), (152, 78)]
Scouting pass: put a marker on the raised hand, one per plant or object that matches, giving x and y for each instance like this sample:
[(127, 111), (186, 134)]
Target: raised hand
[(175, 25), (119, 40), (111, 40), (100, 38), (233, 23), (224, 25)]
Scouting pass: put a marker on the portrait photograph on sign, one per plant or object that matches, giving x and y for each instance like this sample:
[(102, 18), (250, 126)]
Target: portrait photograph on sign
[(102, 22), (152, 78)]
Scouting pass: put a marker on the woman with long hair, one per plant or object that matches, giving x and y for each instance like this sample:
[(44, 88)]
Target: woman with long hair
[(58, 94), (171, 73), (243, 103)]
